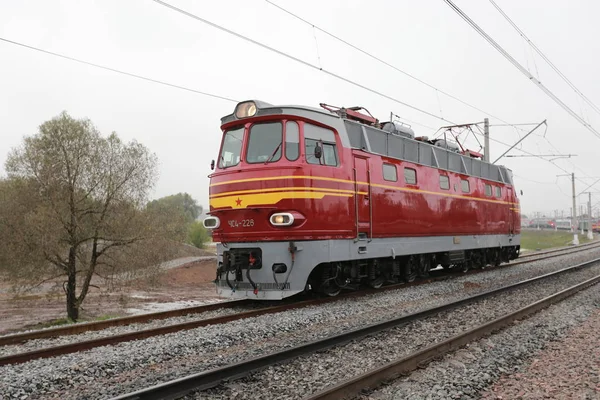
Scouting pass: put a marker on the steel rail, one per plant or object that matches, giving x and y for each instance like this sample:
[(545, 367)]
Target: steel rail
[(211, 378), (75, 329), (74, 347), (551, 254), (405, 365), (582, 246), (79, 328)]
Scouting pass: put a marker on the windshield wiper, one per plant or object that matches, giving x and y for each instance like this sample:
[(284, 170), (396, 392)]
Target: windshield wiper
[(274, 152)]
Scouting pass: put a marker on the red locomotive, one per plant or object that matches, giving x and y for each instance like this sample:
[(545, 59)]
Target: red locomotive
[(328, 199)]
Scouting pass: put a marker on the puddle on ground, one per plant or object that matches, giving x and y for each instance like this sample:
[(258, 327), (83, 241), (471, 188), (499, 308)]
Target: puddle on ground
[(157, 307)]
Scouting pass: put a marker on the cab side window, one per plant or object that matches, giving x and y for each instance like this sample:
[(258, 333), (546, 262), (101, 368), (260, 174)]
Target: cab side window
[(317, 136), (444, 182), (389, 172), (464, 184), (488, 190), (410, 176)]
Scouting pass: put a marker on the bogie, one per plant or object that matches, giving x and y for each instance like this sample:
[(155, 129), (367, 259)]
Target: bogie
[(332, 278)]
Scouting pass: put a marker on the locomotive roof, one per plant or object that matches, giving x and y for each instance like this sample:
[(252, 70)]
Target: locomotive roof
[(354, 139), (269, 109)]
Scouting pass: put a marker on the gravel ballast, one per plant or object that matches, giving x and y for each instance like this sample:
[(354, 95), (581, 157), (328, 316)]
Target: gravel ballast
[(566, 368), (116, 330), (504, 275), (312, 373), (109, 371), (470, 372)]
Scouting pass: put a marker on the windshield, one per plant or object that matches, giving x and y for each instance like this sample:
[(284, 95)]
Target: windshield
[(265, 142), (232, 148)]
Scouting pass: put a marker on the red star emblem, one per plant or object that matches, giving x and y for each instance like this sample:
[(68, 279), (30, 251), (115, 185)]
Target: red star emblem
[(238, 202)]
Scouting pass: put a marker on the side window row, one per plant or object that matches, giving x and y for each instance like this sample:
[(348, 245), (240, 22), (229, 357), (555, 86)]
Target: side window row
[(445, 184), (391, 174), (488, 190), (410, 177)]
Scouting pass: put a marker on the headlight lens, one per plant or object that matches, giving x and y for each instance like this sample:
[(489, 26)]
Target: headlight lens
[(244, 110), (282, 219), (211, 222)]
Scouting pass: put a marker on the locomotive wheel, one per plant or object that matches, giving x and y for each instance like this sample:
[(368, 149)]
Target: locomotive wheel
[(476, 260), (410, 269), (496, 260), (376, 283), (483, 257), (468, 263), (376, 278), (465, 266), (423, 262), (332, 290), (329, 286)]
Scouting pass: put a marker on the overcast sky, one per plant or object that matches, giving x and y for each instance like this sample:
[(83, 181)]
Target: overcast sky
[(424, 38)]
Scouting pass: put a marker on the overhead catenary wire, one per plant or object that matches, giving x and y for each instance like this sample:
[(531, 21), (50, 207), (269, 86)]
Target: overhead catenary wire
[(164, 83), (117, 70), (545, 58), (298, 60), (151, 79), (380, 60), (575, 167), (517, 65), (525, 72), (255, 42), (388, 64), (523, 151), (308, 64)]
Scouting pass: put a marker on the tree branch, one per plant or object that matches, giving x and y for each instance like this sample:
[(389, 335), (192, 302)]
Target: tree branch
[(119, 243), (42, 282)]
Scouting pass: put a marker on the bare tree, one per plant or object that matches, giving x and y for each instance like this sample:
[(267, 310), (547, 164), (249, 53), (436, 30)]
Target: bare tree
[(75, 205)]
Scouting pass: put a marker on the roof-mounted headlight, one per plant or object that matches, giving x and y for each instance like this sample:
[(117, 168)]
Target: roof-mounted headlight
[(245, 109)]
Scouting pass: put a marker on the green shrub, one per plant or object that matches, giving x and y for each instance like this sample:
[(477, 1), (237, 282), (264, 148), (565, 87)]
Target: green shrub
[(197, 234)]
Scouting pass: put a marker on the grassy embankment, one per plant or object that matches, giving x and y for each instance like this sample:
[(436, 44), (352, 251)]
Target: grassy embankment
[(546, 239)]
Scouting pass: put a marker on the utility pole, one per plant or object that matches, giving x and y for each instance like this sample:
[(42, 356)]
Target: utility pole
[(574, 224), (581, 220), (575, 237), (590, 233), (486, 139)]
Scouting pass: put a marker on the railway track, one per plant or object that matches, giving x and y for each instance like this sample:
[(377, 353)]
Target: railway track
[(83, 345), (552, 251), (212, 378), (374, 378), (75, 329)]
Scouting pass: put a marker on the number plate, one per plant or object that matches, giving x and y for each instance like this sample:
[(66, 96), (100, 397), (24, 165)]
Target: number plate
[(241, 223)]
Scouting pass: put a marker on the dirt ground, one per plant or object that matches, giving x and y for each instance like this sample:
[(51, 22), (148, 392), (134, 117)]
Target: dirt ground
[(178, 286)]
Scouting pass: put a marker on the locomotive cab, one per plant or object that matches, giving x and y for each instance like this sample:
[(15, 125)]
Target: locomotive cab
[(274, 183)]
